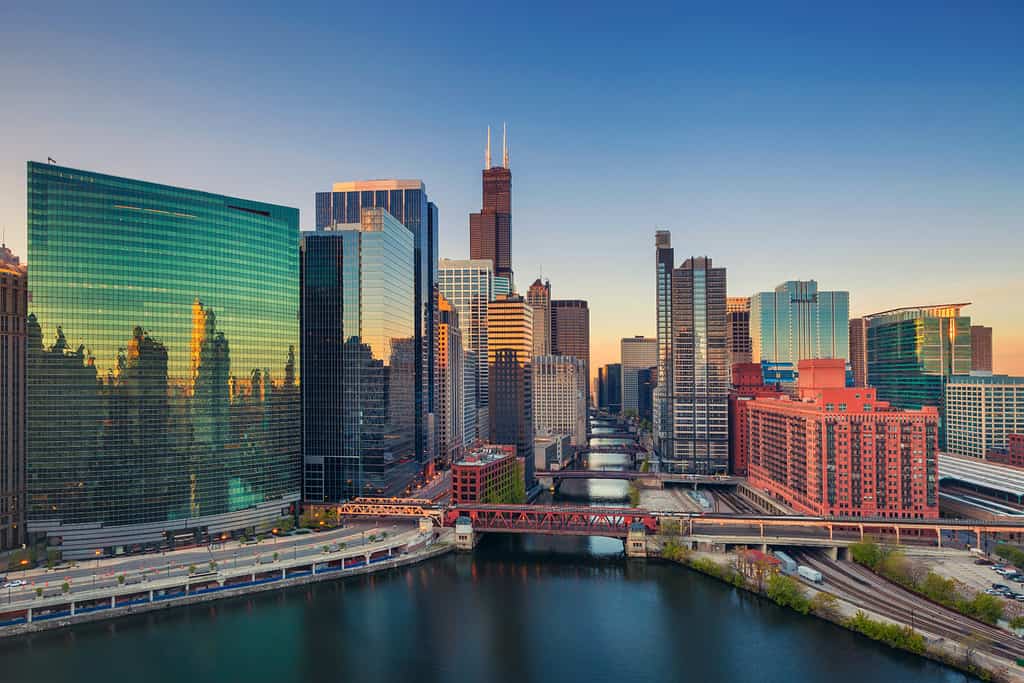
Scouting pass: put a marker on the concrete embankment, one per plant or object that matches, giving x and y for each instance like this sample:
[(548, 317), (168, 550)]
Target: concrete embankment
[(154, 596)]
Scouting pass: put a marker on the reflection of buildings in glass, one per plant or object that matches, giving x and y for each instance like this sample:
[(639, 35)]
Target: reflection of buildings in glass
[(171, 432), (13, 312), (359, 357), (510, 376)]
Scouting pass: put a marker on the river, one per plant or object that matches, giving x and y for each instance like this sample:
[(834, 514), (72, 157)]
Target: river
[(521, 609)]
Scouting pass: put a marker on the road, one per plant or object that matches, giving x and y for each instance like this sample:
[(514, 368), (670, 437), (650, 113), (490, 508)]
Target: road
[(89, 574)]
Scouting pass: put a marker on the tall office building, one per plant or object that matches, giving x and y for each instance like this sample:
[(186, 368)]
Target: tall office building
[(358, 326), (738, 310), (797, 322), (700, 359), (469, 286), (636, 354), (162, 385), (859, 351), (405, 200), (13, 312), (560, 397), (843, 451), (450, 383), (570, 331), (981, 348), (982, 412), (539, 296), (664, 397), (490, 230), (609, 381), (510, 377), (914, 351), (646, 382)]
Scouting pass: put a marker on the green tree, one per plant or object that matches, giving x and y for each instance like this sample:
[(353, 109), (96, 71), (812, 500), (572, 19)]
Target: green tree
[(987, 608), (825, 605), (634, 494), (867, 553), (65, 587), (191, 569), (120, 579), (787, 592)]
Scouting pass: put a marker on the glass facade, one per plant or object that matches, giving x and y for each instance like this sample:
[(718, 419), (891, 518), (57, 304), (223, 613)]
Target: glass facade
[(358, 357), (162, 380), (912, 353), (798, 322), (663, 392), (405, 200)]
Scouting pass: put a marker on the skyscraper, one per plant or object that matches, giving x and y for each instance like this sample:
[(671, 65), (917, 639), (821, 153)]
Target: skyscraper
[(700, 366), (451, 365), (646, 381), (405, 200), (981, 348), (738, 310), (570, 330), (636, 354), (162, 400), (490, 229), (358, 393), (560, 397), (797, 322), (13, 311), (539, 296), (914, 351), (609, 380), (859, 351), (664, 397), (468, 285), (510, 380)]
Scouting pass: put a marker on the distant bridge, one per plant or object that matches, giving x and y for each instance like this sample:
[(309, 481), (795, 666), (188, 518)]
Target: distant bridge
[(632, 475)]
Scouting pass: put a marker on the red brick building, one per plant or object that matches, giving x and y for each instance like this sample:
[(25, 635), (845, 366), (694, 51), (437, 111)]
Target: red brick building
[(1014, 453), (487, 474), (834, 450), (747, 384)]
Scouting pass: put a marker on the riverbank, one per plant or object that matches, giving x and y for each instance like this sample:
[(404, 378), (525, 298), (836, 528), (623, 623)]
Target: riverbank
[(55, 613), (850, 616)]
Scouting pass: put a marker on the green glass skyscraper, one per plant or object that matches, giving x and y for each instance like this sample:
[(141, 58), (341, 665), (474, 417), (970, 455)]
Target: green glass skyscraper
[(912, 352), (162, 393)]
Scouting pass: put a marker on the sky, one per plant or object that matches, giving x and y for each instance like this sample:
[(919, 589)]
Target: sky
[(874, 147)]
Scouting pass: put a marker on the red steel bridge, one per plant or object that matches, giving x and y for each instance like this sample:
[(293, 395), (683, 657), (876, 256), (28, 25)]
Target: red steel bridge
[(552, 519)]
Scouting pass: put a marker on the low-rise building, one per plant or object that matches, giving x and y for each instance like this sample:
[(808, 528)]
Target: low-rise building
[(488, 474), (551, 452), (840, 451)]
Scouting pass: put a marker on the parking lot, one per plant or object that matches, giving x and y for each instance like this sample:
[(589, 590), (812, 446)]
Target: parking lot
[(961, 567)]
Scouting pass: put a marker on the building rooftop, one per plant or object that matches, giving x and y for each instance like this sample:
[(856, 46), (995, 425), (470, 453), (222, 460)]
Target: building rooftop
[(981, 474), (484, 455), (985, 379), (936, 310), (383, 184)]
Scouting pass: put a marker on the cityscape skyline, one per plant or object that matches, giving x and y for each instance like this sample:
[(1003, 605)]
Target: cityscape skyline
[(815, 156)]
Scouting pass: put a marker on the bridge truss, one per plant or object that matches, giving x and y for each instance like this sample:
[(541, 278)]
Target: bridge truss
[(565, 521)]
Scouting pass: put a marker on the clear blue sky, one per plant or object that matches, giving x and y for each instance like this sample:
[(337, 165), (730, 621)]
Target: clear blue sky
[(874, 149)]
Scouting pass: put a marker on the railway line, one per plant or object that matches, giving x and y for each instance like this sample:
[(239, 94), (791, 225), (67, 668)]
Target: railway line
[(738, 503), (863, 588)]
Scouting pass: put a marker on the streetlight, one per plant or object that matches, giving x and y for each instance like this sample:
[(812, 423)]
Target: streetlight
[(97, 569)]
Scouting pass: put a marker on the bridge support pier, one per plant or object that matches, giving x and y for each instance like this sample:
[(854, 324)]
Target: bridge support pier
[(465, 538), (636, 542), (833, 553)]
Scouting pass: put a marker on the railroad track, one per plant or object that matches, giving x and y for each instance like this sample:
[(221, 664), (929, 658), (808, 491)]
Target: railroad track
[(738, 503), (863, 588)]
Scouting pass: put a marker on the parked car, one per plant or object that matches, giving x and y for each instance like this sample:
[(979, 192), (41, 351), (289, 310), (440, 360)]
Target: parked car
[(983, 561), (997, 567), (17, 583), (1000, 587)]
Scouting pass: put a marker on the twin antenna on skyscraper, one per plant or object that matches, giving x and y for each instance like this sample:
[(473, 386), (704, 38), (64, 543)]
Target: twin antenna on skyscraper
[(504, 147)]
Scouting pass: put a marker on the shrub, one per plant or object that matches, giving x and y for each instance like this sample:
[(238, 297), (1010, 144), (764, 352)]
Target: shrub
[(825, 605), (902, 637), (65, 587), (39, 592), (1017, 622), (786, 591), (867, 553), (120, 579), (191, 569), (1010, 554)]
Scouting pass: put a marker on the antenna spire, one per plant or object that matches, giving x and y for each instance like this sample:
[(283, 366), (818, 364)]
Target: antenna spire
[(487, 154), (504, 145)]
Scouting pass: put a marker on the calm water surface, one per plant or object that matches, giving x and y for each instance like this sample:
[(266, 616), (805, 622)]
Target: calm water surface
[(521, 609)]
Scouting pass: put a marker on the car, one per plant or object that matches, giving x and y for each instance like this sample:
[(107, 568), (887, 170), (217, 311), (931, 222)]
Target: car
[(982, 561), (1000, 587), (997, 567), (992, 591), (17, 583)]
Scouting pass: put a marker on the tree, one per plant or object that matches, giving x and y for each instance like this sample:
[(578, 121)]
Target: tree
[(65, 587), (988, 608), (276, 555), (191, 569), (213, 566), (867, 553), (120, 579), (39, 592), (787, 592), (825, 605)]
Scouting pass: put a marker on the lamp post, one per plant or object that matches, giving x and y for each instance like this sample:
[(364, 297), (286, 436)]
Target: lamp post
[(97, 569)]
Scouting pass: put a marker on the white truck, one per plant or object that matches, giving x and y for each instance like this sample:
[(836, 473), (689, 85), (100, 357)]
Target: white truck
[(812, 575)]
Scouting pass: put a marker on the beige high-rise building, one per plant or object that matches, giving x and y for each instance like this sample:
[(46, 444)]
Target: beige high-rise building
[(637, 353), (510, 376), (560, 397), (539, 296), (13, 312)]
